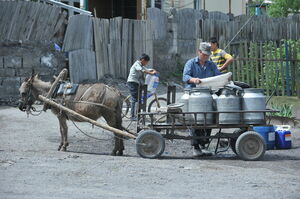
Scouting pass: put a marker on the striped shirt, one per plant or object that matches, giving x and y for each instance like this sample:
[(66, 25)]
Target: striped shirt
[(219, 57)]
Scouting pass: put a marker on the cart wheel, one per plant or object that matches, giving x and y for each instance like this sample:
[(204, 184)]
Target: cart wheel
[(150, 144), (250, 146), (233, 140)]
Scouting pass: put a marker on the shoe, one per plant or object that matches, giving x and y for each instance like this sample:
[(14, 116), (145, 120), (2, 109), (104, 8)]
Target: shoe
[(133, 118), (206, 152), (197, 152)]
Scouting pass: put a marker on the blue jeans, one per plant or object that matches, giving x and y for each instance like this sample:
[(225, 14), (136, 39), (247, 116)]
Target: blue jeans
[(134, 89)]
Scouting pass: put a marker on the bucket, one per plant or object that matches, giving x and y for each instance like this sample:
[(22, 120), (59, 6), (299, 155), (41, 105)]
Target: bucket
[(267, 132), (283, 137)]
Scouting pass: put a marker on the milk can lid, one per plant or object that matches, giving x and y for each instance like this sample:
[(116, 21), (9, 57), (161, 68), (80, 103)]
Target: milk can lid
[(254, 90), (202, 89)]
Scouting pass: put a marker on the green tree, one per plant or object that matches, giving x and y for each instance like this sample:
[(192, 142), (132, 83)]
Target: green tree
[(281, 8)]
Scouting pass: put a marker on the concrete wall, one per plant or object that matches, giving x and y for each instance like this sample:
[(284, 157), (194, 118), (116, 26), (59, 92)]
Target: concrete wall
[(17, 60)]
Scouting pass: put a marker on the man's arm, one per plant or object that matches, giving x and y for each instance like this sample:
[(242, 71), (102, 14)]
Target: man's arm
[(150, 71), (229, 60), (187, 75)]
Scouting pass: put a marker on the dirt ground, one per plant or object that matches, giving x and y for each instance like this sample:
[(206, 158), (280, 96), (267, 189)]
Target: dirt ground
[(31, 167)]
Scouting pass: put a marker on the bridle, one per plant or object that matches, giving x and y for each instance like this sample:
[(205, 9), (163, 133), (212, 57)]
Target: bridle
[(26, 102)]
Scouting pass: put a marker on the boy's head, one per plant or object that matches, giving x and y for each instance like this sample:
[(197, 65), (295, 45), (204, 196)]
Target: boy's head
[(144, 59), (214, 43)]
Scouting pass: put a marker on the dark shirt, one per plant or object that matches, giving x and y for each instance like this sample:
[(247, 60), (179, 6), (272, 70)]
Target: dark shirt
[(193, 69)]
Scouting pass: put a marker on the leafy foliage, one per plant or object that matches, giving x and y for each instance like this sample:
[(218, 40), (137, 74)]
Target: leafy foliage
[(282, 8), (285, 110)]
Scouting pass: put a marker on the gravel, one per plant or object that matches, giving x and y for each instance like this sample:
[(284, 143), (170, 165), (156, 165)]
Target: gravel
[(31, 167)]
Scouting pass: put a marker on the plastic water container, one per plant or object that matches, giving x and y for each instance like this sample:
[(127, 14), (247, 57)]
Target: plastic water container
[(152, 82), (283, 137), (268, 133)]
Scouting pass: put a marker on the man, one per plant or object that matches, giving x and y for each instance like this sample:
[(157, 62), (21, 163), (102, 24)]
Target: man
[(194, 70), (219, 56), (136, 77)]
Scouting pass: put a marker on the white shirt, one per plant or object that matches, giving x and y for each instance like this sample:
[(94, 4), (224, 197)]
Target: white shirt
[(136, 73)]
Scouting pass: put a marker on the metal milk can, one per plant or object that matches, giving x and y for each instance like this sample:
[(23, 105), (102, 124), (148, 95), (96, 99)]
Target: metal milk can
[(201, 101), (185, 100), (229, 100), (253, 100)]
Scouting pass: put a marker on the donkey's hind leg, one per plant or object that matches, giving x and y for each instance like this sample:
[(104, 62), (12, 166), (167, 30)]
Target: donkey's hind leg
[(115, 121), (64, 133)]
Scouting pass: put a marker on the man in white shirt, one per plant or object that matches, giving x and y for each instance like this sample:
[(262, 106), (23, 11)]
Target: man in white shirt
[(136, 77)]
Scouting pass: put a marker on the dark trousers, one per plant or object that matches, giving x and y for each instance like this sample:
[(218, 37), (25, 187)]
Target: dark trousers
[(200, 132), (134, 89)]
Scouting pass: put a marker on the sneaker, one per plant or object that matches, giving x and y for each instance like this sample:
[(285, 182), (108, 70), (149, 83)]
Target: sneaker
[(206, 152), (197, 152), (133, 118)]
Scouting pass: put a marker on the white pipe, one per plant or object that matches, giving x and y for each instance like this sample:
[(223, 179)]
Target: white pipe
[(63, 5)]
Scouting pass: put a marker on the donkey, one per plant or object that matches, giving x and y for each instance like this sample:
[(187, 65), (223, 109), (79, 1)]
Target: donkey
[(94, 95)]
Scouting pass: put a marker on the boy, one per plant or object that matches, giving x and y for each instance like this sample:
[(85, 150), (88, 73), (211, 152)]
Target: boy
[(136, 77)]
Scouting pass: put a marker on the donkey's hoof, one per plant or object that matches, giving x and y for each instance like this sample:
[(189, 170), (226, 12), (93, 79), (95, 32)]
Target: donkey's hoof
[(59, 147), (113, 153), (120, 153), (64, 148)]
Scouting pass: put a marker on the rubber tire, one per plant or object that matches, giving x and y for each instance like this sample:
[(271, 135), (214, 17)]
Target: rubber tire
[(232, 141), (153, 101), (154, 135), (240, 144)]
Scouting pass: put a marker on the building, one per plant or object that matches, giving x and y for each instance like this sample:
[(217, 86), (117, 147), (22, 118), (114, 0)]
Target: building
[(236, 7)]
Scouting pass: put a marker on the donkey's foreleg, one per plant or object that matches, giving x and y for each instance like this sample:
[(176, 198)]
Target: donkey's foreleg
[(64, 133)]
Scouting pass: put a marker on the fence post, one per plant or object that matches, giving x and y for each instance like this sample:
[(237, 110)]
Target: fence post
[(287, 75)]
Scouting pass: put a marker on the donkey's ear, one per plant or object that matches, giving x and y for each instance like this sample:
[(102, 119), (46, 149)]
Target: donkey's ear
[(37, 76)]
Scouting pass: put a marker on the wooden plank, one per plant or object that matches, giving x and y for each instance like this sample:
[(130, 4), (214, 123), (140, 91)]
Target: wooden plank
[(258, 73), (267, 72), (130, 59), (39, 20), (12, 20), (251, 66), (160, 22), (42, 26), (293, 66), (282, 82), (262, 65), (59, 23), (298, 73), (101, 34), (242, 66), (125, 40), (86, 119), (83, 39), (27, 29), (24, 21), (82, 64)]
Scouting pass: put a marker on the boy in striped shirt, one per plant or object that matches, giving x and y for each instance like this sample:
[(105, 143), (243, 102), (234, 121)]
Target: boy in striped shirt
[(219, 56)]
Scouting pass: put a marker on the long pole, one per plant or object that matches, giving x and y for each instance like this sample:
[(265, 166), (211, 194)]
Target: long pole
[(85, 119), (287, 74)]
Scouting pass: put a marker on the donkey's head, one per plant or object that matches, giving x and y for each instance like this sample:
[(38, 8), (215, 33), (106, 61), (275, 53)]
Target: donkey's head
[(27, 96)]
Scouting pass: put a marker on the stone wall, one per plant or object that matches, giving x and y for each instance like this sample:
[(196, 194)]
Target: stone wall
[(18, 60)]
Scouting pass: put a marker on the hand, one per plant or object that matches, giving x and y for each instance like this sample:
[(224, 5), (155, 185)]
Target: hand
[(153, 72), (195, 80)]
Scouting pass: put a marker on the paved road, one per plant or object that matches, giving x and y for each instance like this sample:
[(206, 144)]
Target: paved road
[(30, 167)]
